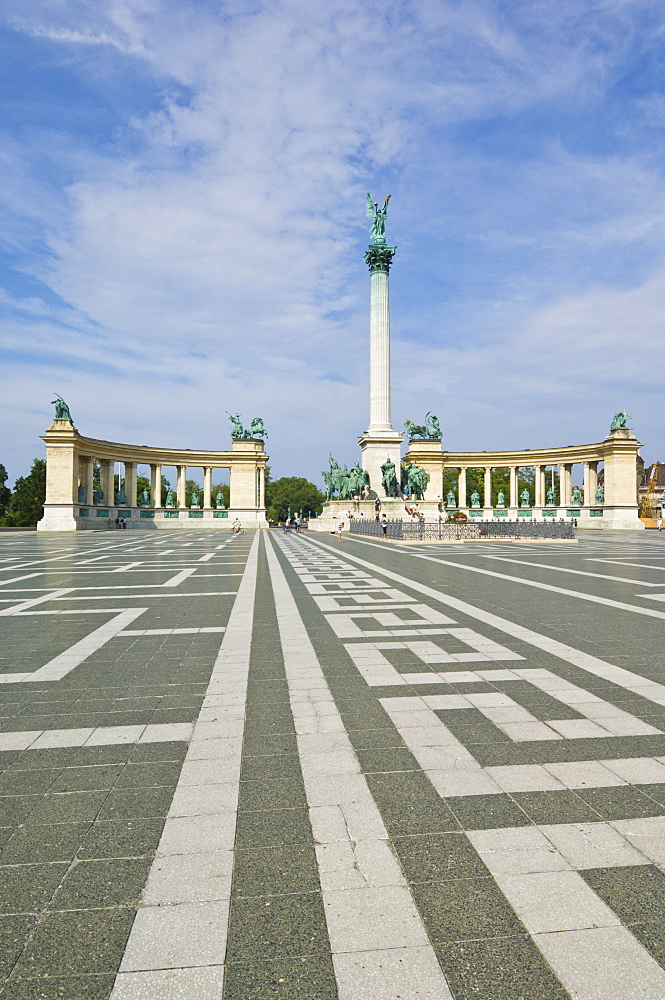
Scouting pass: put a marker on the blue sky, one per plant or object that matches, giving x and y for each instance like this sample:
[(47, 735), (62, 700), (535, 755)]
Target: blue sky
[(182, 185)]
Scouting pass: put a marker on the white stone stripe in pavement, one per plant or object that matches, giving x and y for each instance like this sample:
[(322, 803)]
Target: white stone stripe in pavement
[(576, 572), (578, 594), (96, 736), (378, 941), (65, 662), (177, 945), (17, 608), (179, 577), (592, 954), (625, 679)]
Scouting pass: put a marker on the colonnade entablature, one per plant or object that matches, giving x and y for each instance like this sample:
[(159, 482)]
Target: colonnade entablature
[(529, 489), (82, 490)]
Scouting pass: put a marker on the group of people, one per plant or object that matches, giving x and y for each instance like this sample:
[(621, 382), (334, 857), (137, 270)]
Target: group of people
[(119, 522)]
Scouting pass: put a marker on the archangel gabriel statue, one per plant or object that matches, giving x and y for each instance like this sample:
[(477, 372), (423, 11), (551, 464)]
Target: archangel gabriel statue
[(379, 217)]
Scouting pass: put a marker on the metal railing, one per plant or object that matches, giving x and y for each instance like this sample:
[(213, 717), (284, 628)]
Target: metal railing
[(442, 531)]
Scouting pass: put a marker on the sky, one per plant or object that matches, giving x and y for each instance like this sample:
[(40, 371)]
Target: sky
[(183, 184)]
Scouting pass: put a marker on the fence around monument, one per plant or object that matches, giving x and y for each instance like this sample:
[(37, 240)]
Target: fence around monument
[(442, 531)]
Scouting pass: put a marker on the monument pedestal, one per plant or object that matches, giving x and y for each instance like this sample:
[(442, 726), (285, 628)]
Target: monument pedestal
[(376, 447)]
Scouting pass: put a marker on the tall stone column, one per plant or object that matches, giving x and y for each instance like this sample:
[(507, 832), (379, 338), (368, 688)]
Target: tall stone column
[(487, 487), (379, 442), (461, 488), (590, 483), (156, 485), (207, 487), (513, 502), (181, 487)]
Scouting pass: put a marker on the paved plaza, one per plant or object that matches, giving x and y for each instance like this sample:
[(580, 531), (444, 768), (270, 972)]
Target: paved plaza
[(273, 767)]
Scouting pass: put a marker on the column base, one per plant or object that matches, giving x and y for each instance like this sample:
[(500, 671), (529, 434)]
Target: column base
[(376, 448)]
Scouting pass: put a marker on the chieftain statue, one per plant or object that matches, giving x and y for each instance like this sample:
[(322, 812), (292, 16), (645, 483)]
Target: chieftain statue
[(379, 218), (525, 498), (339, 480), (577, 495), (389, 479), (61, 409), (415, 480), (170, 498)]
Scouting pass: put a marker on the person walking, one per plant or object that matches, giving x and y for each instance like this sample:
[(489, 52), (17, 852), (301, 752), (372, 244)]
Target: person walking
[(659, 524), (117, 522), (384, 526), (123, 522), (341, 525)]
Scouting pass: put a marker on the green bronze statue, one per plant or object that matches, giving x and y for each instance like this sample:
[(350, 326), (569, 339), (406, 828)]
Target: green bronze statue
[(144, 498), (525, 498), (80, 494), (620, 421), (429, 431), (120, 498), (600, 495), (550, 498), (501, 499), (219, 501), (389, 479), (98, 496), (378, 215), (475, 499), (194, 502), (61, 409), (240, 433), (170, 498), (577, 495), (417, 481), (451, 499)]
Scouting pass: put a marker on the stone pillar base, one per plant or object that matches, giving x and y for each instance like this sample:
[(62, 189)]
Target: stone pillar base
[(376, 448)]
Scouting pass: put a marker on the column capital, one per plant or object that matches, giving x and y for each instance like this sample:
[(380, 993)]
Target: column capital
[(379, 258)]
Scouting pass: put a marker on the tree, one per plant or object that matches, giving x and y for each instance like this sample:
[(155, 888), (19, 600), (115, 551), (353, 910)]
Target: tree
[(5, 492), (26, 505), (295, 493)]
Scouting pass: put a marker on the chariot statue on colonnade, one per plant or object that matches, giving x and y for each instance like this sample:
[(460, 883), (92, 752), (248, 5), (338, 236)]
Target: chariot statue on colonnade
[(429, 431), (239, 433), (620, 421)]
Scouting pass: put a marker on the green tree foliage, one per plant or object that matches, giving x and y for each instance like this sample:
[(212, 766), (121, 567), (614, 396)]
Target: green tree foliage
[(26, 505), (5, 492), (292, 492)]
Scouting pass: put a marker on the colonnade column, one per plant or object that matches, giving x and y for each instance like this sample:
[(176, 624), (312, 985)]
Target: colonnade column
[(207, 486), (156, 485), (180, 489), (487, 487), (590, 483), (513, 487), (106, 481), (461, 488), (89, 479), (539, 475), (565, 484), (130, 483)]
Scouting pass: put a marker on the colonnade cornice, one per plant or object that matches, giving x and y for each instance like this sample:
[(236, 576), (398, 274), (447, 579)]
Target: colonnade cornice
[(146, 455), (570, 454)]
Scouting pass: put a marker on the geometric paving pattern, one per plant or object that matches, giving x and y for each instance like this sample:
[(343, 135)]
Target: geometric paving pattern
[(273, 766)]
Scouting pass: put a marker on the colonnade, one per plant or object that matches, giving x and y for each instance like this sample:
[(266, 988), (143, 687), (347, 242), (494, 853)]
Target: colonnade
[(538, 494), (74, 501), (615, 506)]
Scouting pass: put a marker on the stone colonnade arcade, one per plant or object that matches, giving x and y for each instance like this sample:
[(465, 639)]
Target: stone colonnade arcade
[(71, 503), (613, 507)]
